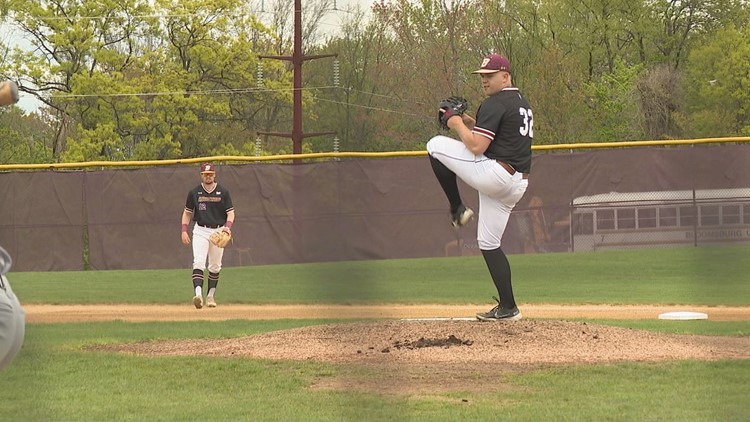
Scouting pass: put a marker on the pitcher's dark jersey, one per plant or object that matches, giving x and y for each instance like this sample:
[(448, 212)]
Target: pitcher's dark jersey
[(507, 120), (209, 209)]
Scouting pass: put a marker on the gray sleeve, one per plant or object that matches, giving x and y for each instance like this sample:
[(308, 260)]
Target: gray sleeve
[(12, 324)]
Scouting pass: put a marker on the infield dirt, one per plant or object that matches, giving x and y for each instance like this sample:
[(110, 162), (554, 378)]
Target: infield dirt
[(36, 313)]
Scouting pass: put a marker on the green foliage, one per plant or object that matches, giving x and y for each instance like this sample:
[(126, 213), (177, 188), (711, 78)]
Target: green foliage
[(559, 97), (150, 88), (717, 85), (613, 104), (100, 143), (182, 79), (23, 139), (161, 148)]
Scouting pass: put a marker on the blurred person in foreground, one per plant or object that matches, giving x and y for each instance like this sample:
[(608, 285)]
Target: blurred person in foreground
[(12, 316)]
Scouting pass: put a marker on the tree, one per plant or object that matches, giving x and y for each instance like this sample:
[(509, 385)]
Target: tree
[(139, 79), (717, 86), (658, 89), (683, 23), (408, 57), (23, 138), (614, 105), (157, 80)]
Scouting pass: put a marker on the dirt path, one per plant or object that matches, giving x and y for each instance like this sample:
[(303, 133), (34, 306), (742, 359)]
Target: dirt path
[(143, 313)]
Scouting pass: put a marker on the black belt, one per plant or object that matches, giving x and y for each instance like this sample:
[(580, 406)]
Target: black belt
[(209, 226), (511, 170)]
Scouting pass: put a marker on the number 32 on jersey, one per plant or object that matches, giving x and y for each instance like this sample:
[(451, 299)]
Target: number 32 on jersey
[(527, 129)]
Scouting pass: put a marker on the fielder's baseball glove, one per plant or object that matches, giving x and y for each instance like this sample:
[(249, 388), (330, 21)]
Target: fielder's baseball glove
[(220, 238), (449, 107)]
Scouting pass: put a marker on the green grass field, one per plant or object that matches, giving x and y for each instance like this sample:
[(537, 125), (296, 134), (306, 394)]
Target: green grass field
[(705, 276), (55, 377)]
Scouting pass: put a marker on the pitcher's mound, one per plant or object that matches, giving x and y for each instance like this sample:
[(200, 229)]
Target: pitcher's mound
[(458, 341)]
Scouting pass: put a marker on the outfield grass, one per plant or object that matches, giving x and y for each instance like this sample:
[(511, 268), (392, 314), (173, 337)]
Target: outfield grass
[(701, 276), (56, 379)]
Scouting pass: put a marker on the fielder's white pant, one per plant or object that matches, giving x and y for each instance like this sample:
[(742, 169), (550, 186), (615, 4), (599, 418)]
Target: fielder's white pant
[(203, 249), (12, 324), (498, 191)]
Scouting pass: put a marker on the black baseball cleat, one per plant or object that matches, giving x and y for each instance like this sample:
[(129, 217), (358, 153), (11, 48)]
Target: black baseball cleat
[(499, 314), (462, 216)]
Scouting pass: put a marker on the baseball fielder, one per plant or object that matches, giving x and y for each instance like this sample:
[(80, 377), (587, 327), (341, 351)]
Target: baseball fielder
[(210, 206), (12, 316), (493, 155)]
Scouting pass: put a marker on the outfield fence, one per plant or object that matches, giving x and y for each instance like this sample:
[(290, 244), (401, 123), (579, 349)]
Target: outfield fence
[(348, 206)]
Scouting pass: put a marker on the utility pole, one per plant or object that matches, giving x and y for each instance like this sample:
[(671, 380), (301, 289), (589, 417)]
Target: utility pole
[(297, 58)]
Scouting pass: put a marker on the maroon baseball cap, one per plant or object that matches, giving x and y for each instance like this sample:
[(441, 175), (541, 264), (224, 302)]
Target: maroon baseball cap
[(207, 168), (494, 63)]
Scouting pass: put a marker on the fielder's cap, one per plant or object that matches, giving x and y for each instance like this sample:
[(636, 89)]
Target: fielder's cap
[(208, 168), (494, 63)]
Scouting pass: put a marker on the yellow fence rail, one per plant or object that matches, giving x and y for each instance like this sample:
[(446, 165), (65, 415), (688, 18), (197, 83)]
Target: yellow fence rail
[(321, 155)]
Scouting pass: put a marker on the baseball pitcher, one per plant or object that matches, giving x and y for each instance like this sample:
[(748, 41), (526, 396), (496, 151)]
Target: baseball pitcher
[(492, 155)]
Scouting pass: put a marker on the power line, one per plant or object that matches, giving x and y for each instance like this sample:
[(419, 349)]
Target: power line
[(164, 93), (102, 17), (164, 16), (227, 91), (257, 90), (391, 97), (231, 91), (368, 107)]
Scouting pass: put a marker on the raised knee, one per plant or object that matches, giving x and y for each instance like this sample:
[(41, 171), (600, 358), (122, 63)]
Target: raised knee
[(432, 143)]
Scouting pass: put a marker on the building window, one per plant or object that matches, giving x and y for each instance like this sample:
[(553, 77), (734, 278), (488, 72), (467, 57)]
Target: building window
[(583, 223), (626, 218), (710, 215), (667, 217), (605, 219), (687, 216), (646, 218), (730, 214)]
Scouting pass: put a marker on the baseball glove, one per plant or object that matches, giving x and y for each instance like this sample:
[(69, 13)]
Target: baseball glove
[(220, 238), (449, 107)]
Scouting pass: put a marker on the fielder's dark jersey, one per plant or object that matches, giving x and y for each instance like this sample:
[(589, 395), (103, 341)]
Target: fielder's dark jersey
[(209, 209), (507, 120)]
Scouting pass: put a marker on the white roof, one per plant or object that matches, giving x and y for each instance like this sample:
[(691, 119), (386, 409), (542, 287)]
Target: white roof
[(642, 198)]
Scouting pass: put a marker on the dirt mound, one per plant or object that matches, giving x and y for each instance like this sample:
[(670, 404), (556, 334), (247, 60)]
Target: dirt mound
[(456, 342)]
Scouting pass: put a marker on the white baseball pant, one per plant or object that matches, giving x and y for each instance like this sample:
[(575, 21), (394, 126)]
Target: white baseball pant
[(203, 249), (498, 191)]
